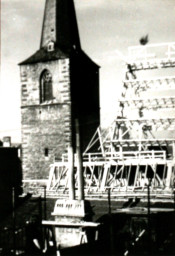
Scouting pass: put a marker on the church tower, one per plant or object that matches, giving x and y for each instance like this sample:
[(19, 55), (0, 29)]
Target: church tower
[(59, 83)]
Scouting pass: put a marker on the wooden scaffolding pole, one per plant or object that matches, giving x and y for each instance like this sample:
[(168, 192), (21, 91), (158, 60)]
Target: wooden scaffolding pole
[(71, 173), (79, 163)]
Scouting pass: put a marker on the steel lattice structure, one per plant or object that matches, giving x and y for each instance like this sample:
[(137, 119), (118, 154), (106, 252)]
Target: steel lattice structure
[(139, 146)]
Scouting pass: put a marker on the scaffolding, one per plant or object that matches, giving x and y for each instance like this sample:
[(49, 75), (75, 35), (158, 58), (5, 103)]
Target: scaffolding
[(138, 149)]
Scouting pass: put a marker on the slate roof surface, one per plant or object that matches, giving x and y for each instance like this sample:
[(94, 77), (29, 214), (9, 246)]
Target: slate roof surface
[(42, 55)]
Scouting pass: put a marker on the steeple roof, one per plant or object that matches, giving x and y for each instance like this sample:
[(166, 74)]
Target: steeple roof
[(60, 28), (60, 24)]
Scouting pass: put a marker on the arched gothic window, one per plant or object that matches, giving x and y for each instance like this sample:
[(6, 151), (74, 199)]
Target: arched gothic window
[(46, 86)]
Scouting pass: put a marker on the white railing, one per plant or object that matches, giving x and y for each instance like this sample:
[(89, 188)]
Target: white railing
[(126, 155), (151, 51), (152, 80), (123, 155)]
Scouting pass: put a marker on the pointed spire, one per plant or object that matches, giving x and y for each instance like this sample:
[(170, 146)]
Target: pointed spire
[(60, 25)]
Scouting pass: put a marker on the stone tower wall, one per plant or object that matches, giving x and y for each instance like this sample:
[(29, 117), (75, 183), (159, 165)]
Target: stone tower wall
[(46, 127)]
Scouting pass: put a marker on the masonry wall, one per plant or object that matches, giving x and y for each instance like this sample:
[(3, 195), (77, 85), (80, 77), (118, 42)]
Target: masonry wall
[(46, 127), (46, 130)]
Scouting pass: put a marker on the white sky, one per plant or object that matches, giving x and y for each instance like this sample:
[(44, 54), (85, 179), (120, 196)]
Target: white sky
[(104, 25)]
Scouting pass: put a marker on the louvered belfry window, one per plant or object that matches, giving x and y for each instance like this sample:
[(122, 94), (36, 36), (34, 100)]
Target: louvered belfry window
[(46, 86)]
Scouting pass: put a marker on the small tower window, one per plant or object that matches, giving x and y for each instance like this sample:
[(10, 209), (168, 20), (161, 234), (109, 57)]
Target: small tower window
[(46, 86), (46, 152), (50, 46)]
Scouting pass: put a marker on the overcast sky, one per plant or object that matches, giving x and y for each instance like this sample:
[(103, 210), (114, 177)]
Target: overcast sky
[(104, 25)]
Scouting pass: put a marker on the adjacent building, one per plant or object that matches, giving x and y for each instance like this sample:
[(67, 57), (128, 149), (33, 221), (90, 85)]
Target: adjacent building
[(10, 175)]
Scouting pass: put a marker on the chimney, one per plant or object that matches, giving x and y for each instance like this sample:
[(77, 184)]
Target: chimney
[(6, 142)]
